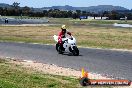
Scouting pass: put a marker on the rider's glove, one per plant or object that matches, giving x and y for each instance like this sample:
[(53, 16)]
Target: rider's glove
[(63, 36)]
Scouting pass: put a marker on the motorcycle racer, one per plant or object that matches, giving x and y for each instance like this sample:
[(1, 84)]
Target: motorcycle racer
[(63, 34), (66, 42)]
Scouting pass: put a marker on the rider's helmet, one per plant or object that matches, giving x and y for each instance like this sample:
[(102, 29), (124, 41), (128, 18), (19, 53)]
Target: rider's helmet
[(63, 27)]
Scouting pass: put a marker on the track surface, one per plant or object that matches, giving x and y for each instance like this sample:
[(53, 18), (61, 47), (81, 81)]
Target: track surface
[(116, 63), (13, 21)]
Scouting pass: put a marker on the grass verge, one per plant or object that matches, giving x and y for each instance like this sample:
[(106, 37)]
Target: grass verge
[(14, 76), (102, 21), (87, 36)]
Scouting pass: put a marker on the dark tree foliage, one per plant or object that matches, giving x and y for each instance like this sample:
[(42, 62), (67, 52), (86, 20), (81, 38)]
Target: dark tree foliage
[(16, 10)]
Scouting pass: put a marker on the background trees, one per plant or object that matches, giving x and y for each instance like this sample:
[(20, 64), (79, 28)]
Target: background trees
[(16, 10)]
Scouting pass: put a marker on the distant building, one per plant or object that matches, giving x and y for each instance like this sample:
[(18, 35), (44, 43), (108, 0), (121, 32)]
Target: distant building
[(98, 18), (125, 18), (83, 17)]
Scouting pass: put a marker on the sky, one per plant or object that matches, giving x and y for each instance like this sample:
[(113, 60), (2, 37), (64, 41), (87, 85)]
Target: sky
[(76, 3)]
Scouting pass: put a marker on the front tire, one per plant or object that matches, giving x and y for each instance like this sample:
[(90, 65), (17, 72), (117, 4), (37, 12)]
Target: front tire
[(75, 51)]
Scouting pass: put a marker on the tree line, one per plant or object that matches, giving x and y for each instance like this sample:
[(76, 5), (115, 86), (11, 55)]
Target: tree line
[(16, 10)]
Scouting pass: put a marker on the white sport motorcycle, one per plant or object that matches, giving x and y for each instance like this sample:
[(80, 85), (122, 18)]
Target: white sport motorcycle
[(69, 45)]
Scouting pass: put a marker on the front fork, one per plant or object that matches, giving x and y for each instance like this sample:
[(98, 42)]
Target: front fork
[(72, 47)]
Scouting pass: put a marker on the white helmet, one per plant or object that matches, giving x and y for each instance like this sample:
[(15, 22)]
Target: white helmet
[(63, 27)]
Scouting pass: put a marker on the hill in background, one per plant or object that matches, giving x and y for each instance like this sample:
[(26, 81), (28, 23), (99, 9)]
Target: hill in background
[(3, 5), (67, 7), (90, 9)]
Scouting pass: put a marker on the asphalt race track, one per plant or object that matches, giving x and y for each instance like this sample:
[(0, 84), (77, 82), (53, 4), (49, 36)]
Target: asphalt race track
[(23, 21), (115, 63)]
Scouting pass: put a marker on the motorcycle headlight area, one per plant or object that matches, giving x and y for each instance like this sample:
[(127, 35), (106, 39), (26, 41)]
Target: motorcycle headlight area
[(73, 44)]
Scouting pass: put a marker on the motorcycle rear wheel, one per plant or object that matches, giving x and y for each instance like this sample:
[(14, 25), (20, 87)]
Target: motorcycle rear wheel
[(59, 49)]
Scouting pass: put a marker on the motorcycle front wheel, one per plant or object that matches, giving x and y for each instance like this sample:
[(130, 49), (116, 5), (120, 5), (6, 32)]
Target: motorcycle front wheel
[(75, 51)]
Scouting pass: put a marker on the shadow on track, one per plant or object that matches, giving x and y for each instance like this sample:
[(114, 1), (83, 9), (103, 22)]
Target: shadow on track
[(70, 54)]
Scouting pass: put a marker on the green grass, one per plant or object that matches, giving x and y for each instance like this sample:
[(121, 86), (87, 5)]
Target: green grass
[(14, 76), (87, 21), (24, 40), (86, 35)]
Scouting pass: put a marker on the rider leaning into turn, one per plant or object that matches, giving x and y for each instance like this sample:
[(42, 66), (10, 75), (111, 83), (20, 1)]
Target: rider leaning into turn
[(62, 34)]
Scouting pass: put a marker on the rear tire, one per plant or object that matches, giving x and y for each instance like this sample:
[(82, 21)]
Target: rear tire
[(75, 51), (59, 49), (57, 45)]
